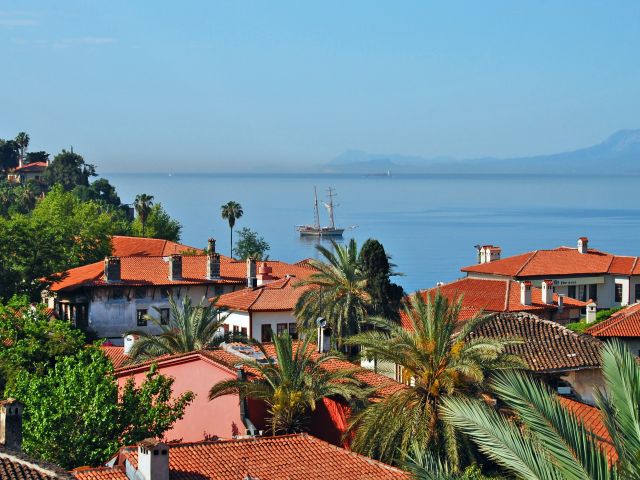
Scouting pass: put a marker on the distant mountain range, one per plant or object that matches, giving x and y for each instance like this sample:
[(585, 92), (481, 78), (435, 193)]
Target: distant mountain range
[(620, 153)]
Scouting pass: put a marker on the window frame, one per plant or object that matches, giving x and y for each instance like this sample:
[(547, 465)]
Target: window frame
[(281, 328), (166, 311), (140, 320), (618, 293)]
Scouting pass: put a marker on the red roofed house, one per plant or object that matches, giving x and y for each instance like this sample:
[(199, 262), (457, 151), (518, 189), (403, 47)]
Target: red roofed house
[(290, 457), (582, 273), (624, 325), (112, 297), (123, 246), (269, 307), (31, 171)]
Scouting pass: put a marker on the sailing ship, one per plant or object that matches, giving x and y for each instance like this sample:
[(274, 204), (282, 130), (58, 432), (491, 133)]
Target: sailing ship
[(317, 230)]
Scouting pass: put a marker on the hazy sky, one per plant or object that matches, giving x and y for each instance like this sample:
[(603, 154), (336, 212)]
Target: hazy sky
[(134, 85)]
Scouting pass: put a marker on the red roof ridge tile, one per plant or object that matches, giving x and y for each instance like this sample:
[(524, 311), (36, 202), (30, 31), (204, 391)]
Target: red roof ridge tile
[(534, 253), (506, 297)]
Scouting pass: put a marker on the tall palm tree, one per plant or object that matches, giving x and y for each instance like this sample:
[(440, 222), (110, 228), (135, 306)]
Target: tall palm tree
[(22, 140), (191, 327), (340, 295), (548, 441), (231, 211), (436, 361), (292, 384), (143, 204)]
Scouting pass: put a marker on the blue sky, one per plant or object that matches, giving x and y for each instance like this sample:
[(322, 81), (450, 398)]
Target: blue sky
[(137, 85)]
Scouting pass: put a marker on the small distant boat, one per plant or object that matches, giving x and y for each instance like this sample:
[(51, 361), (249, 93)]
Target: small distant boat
[(316, 230)]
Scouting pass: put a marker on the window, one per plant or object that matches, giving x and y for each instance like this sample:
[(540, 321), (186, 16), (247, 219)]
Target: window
[(236, 329), (265, 333), (164, 316), (571, 291), (140, 316), (593, 292), (243, 331), (225, 327), (637, 292), (140, 293), (582, 293), (293, 330), (618, 298), (281, 328)]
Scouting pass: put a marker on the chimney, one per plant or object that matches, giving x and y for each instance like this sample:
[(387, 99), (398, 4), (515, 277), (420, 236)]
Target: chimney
[(252, 281), (153, 460), (11, 424), (547, 292), (264, 274), (583, 245), (592, 309), (525, 292), (493, 253), (560, 302), (175, 267), (129, 341), (112, 269), (213, 265), (212, 246)]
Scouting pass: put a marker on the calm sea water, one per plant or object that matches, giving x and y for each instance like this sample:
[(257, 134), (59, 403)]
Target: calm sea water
[(427, 223)]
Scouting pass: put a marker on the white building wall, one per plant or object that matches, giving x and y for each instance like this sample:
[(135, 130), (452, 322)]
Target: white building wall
[(585, 383), (272, 319), (238, 319)]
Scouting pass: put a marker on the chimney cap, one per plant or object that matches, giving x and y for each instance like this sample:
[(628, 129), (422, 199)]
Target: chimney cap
[(584, 239), (151, 443)]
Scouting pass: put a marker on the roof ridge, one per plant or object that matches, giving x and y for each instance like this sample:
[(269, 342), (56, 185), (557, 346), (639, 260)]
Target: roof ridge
[(533, 254), (633, 267), (506, 297)]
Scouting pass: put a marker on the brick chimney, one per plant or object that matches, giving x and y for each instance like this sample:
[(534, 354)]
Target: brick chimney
[(264, 274), (212, 245), (153, 460), (547, 291), (175, 267), (213, 266), (11, 424), (488, 253), (525, 292), (252, 281), (583, 245), (112, 269)]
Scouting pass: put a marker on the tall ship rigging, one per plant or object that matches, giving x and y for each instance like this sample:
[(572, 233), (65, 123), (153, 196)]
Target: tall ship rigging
[(316, 229)]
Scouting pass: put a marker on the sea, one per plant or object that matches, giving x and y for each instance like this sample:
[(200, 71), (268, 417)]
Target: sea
[(428, 223)]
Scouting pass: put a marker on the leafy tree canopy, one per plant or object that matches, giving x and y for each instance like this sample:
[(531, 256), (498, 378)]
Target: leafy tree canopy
[(73, 417), (33, 157), (158, 224), (32, 340), (250, 244), (385, 295), (69, 170), (9, 154)]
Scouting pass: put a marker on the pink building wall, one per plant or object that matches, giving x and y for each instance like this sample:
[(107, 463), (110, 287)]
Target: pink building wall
[(202, 418)]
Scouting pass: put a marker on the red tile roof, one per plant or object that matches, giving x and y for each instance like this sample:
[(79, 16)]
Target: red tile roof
[(123, 246), (34, 167), (154, 271), (17, 466), (592, 420), (290, 457), (489, 295), (557, 262), (278, 296), (115, 354), (623, 323)]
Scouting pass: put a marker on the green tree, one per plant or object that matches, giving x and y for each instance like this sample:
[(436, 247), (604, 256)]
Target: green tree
[(22, 140), (339, 294), (9, 154), (292, 384), (158, 224), (142, 204), (72, 415), (250, 244), (33, 157), (231, 211), (32, 340), (386, 296), (437, 362), (190, 328), (100, 191), (69, 170), (548, 441)]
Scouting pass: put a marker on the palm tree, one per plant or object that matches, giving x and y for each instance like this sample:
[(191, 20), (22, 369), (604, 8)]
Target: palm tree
[(550, 442), (231, 211), (292, 384), (339, 295), (191, 327), (436, 361), (143, 204), (22, 140)]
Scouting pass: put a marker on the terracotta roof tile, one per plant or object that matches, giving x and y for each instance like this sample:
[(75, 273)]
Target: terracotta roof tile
[(623, 323), (115, 355), (34, 167), (17, 466), (289, 457), (280, 295), (123, 246)]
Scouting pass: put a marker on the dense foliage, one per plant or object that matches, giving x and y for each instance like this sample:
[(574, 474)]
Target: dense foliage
[(69, 170), (31, 340), (385, 295), (72, 415), (582, 325), (250, 244), (157, 224)]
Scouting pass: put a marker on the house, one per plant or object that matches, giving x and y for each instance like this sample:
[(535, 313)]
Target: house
[(499, 295), (624, 325), (227, 417), (265, 309), (582, 272), (125, 246), (291, 457), (113, 297), (14, 464), (31, 171)]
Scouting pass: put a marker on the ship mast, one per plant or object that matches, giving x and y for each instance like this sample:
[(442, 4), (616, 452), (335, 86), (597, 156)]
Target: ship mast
[(316, 214), (330, 194)]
